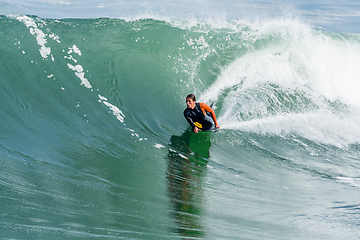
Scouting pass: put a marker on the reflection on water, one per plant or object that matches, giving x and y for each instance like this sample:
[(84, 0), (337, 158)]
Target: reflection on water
[(187, 162)]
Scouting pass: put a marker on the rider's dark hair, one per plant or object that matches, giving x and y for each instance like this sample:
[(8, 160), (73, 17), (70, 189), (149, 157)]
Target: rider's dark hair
[(191, 96)]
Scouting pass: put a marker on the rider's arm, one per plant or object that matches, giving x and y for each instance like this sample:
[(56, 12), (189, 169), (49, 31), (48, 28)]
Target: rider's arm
[(204, 107)]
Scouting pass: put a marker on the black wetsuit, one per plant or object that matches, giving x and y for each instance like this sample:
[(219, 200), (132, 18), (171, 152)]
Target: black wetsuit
[(197, 115)]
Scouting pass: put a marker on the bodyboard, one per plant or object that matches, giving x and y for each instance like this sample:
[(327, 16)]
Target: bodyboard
[(210, 130)]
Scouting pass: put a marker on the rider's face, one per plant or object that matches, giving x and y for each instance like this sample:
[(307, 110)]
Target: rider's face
[(190, 103)]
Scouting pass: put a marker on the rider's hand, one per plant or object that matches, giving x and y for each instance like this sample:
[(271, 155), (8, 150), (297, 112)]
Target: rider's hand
[(196, 130)]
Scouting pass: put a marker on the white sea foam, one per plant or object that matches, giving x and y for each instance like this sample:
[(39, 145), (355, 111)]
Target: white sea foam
[(79, 72), (115, 110), (320, 67), (74, 49), (158, 145), (39, 34), (354, 182), (299, 57), (119, 115)]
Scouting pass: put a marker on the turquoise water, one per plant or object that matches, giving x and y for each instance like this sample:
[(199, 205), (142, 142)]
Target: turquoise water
[(93, 140)]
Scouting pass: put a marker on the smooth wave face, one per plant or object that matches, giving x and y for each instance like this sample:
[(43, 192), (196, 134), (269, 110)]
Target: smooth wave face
[(94, 143)]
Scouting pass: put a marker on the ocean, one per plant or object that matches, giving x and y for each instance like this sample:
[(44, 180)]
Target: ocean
[(94, 144)]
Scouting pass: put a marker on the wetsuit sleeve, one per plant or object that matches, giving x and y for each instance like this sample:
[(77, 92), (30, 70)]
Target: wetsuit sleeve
[(204, 107), (188, 118)]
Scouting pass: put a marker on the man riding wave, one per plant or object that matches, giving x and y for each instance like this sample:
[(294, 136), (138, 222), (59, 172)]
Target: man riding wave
[(200, 116)]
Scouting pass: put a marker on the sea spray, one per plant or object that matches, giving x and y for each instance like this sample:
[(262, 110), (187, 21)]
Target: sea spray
[(295, 81)]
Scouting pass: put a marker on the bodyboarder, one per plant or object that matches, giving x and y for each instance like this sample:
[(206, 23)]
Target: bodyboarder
[(200, 116)]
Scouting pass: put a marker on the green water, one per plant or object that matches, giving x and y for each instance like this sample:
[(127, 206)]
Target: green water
[(94, 143)]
